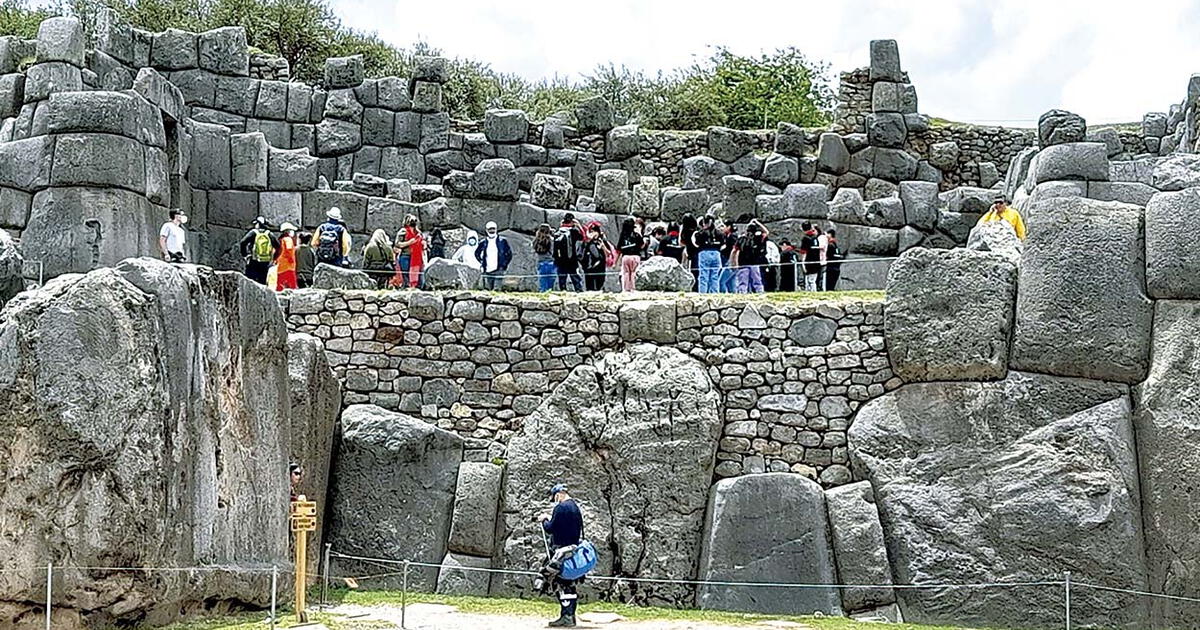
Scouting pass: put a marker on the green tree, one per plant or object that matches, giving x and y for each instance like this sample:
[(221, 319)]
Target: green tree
[(783, 86), (17, 18)]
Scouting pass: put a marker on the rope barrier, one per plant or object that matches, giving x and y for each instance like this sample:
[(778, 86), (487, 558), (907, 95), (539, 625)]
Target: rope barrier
[(1135, 592), (616, 272), (614, 578)]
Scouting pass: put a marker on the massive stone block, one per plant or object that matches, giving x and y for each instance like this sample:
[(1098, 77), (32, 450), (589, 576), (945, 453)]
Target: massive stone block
[(60, 39), (210, 159), (248, 161), (223, 51), (784, 539), (601, 432), (1172, 231), (316, 401), (343, 72), (612, 191), (1168, 428), (949, 314), (1016, 480), (73, 230), (1082, 309), (99, 160), (858, 546), (174, 49), (476, 503), (885, 61), (149, 405), (1072, 160), (505, 125), (595, 115), (832, 156), (727, 145), (393, 491), (456, 578), (1059, 126)]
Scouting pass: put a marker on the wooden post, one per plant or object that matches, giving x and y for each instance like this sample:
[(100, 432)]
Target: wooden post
[(303, 520)]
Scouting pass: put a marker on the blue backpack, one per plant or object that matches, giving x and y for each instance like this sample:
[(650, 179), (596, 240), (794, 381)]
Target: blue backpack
[(580, 563)]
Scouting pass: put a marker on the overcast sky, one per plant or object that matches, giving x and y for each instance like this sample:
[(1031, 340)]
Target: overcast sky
[(1002, 62)]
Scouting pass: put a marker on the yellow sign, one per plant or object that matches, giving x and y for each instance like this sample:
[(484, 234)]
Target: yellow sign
[(304, 508), (304, 523)]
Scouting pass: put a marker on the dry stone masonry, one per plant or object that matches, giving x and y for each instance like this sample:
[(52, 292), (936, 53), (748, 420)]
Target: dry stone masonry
[(1012, 410)]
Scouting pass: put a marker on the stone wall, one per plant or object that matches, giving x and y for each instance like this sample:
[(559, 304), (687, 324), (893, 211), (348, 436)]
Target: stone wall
[(790, 373)]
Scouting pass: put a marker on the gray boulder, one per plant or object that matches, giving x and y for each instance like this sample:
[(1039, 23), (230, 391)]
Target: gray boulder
[(858, 546), (886, 130), (1071, 160), (780, 170), (12, 266), (1172, 230), (343, 72), (476, 502), (442, 273), (550, 191), (456, 577), (333, 277), (1110, 138), (1059, 126), (648, 321), (1166, 418), (727, 145), (168, 385), (621, 143), (885, 61), (646, 199), (920, 201), (1082, 309), (496, 179), (949, 314), (60, 39), (600, 432), (677, 202), (832, 156), (747, 539), (316, 402), (944, 155), (393, 492), (659, 273), (847, 207), (739, 197), (998, 237), (791, 140), (77, 229), (1176, 172), (223, 51), (594, 115), (702, 171), (1154, 125), (612, 191), (1016, 480), (505, 125), (894, 164)]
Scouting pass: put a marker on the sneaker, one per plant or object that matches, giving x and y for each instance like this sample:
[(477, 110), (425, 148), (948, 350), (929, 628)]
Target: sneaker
[(566, 621)]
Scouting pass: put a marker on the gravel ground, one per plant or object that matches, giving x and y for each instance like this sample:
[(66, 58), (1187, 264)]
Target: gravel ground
[(440, 617)]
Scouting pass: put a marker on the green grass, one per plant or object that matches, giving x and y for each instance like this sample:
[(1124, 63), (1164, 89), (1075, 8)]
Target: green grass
[(542, 608)]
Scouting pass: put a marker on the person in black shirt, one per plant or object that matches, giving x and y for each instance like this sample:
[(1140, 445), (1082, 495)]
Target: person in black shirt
[(707, 242), (629, 246), (565, 528), (687, 230), (787, 266), (671, 246), (728, 277), (566, 249), (749, 257), (595, 258), (834, 254)]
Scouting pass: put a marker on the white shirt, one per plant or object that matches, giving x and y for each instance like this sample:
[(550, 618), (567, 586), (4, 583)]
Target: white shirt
[(175, 235), (491, 254), (823, 246)]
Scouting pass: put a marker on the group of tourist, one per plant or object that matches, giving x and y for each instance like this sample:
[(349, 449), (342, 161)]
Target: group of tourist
[(723, 256)]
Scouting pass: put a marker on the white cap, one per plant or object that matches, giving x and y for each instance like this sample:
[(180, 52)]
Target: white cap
[(334, 213), (491, 225), (287, 226)]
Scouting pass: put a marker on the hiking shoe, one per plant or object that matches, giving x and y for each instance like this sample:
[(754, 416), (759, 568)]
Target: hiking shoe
[(566, 621)]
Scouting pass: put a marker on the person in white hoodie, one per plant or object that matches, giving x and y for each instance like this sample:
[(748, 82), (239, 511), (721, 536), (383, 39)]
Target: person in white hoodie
[(466, 252)]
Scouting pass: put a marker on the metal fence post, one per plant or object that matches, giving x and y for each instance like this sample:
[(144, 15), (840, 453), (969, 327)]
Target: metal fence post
[(274, 590), (1067, 586), (325, 575), (49, 584), (404, 595)]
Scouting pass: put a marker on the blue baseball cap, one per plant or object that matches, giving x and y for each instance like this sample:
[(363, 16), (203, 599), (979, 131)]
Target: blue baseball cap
[(558, 487)]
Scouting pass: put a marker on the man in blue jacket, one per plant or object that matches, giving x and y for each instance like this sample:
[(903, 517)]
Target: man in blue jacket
[(565, 528), (494, 255)]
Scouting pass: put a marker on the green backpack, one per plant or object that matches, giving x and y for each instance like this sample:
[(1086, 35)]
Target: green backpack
[(263, 250)]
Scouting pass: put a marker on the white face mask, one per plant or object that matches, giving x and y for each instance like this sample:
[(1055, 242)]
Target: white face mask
[(182, 219)]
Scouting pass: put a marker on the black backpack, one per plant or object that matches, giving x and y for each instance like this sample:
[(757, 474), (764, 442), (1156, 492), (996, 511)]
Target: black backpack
[(564, 244), (329, 244)]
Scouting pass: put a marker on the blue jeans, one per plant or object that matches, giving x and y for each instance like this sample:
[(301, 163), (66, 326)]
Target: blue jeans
[(573, 274), (726, 282), (710, 271), (547, 274)]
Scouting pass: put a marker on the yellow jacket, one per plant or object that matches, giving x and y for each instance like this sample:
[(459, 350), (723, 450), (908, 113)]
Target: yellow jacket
[(1009, 214)]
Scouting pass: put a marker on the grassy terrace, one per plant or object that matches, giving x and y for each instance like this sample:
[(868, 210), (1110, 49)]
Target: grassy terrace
[(538, 609)]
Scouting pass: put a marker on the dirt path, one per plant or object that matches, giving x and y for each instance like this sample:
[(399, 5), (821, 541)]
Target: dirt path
[(440, 617)]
